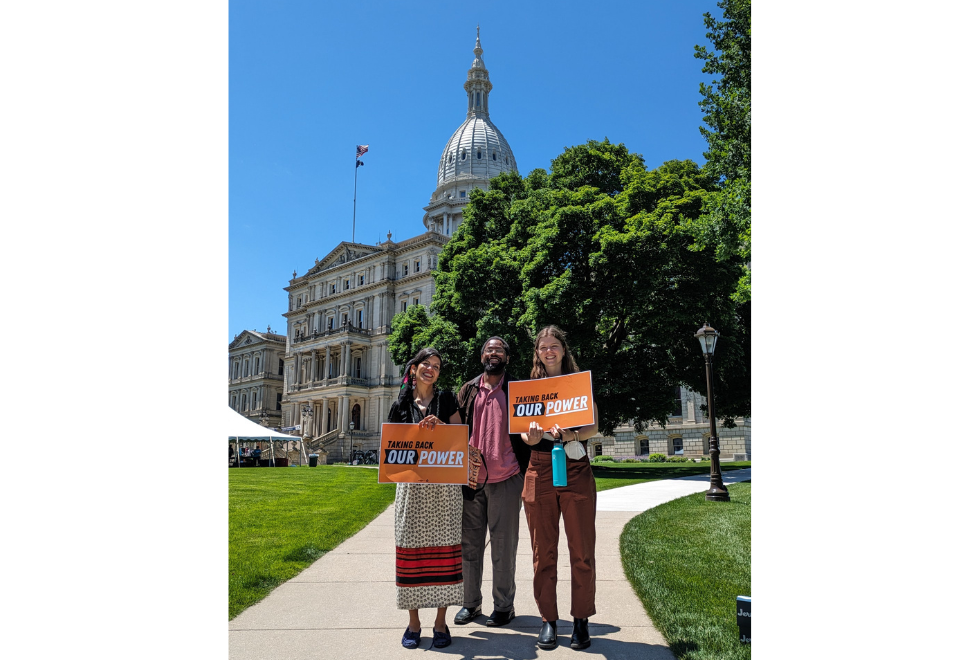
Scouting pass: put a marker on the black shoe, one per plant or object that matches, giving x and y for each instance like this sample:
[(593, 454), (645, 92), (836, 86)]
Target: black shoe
[(580, 634), (500, 618), (548, 637), (441, 640), (466, 615)]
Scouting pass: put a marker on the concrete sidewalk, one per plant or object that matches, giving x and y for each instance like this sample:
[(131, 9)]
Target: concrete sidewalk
[(343, 605)]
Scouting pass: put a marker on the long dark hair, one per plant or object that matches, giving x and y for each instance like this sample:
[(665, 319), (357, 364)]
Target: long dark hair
[(406, 396), (568, 364)]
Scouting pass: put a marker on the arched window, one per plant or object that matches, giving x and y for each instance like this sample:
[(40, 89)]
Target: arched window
[(253, 400), (463, 155), (236, 371), (494, 155), (357, 368), (355, 416), (281, 366), (479, 154), (255, 367), (245, 369)]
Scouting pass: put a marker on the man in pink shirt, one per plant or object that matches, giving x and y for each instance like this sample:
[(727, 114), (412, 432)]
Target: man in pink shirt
[(496, 504)]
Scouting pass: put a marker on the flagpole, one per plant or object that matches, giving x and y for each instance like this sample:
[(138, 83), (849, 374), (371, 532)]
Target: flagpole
[(354, 221), (360, 151)]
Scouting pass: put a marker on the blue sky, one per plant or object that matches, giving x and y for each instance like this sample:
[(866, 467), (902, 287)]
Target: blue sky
[(310, 80)]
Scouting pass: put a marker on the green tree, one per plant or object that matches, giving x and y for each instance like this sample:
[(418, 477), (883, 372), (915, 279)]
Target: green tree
[(599, 248), (726, 227), (415, 329)]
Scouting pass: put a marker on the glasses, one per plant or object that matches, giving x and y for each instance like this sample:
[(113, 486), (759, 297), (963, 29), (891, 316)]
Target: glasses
[(495, 351), (429, 365)]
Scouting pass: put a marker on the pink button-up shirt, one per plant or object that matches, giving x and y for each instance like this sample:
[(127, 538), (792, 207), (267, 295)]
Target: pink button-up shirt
[(490, 433)]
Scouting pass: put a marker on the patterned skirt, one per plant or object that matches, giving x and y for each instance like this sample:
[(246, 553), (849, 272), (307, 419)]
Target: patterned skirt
[(428, 550)]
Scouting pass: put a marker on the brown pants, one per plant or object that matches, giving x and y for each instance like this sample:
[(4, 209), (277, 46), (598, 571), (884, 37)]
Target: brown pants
[(575, 503)]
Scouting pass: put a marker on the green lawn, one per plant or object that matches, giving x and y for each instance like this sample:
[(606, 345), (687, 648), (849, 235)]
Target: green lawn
[(280, 520), (614, 475), (687, 559)]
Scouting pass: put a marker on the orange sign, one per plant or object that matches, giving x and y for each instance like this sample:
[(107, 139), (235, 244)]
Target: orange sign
[(563, 400), (413, 455)]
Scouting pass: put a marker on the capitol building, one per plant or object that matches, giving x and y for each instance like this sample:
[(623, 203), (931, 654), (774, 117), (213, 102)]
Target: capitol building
[(331, 379)]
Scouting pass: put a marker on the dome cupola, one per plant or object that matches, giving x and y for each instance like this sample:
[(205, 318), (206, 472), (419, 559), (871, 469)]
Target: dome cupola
[(477, 149)]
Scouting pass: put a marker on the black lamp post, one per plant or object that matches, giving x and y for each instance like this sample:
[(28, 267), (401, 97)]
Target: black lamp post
[(709, 341), (350, 427)]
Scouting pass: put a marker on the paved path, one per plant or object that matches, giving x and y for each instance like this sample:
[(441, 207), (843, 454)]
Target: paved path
[(342, 606)]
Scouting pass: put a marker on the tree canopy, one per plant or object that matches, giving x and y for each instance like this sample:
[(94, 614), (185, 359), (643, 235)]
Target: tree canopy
[(726, 227), (600, 247)]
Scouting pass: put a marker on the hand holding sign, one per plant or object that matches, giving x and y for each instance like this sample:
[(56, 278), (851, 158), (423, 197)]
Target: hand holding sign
[(562, 401)]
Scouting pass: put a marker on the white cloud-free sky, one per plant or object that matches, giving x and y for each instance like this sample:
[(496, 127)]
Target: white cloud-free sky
[(310, 80)]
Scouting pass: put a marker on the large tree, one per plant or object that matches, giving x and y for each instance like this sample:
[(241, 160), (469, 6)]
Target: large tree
[(726, 227), (600, 248)]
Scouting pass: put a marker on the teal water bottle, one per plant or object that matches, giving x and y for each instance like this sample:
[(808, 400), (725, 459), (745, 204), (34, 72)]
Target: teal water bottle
[(559, 476)]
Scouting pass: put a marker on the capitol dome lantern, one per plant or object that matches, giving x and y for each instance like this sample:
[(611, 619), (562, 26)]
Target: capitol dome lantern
[(476, 152)]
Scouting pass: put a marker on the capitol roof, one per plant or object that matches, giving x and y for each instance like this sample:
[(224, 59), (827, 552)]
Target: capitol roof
[(477, 149)]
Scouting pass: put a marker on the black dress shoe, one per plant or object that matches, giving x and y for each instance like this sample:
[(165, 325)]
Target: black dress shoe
[(466, 615), (580, 634), (500, 618), (548, 637)]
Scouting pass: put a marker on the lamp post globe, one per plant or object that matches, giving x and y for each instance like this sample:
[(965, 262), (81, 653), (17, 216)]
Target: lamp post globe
[(708, 337)]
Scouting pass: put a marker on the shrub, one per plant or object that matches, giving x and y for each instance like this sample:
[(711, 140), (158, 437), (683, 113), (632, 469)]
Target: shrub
[(631, 460), (657, 458), (677, 459), (601, 459)]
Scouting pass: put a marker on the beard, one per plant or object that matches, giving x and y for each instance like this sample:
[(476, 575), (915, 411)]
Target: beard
[(494, 369)]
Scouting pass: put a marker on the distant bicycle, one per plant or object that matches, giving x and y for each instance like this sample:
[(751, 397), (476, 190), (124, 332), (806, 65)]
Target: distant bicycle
[(356, 457), (371, 458)]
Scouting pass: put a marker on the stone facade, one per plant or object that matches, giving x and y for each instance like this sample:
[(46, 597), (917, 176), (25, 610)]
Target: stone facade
[(337, 362), (256, 362)]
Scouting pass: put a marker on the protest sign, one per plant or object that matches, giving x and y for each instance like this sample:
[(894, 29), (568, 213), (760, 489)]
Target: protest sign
[(563, 400), (413, 455)]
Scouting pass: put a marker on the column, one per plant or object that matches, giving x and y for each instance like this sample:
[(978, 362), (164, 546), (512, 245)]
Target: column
[(323, 416)]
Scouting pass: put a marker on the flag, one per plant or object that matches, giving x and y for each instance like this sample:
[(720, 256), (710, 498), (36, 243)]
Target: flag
[(361, 150)]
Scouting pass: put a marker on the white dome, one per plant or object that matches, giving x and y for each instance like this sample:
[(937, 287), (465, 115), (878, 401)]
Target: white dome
[(477, 150)]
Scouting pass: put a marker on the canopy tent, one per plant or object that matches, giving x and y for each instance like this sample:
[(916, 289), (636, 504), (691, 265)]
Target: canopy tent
[(241, 428)]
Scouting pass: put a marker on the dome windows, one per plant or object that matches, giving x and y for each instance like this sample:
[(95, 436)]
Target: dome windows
[(494, 155), (479, 154), (463, 155)]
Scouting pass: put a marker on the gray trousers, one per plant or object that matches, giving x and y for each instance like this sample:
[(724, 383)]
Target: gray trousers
[(497, 508)]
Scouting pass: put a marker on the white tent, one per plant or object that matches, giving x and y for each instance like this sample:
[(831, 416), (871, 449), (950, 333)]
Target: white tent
[(241, 428)]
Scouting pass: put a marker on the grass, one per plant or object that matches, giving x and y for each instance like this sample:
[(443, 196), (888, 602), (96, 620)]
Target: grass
[(615, 475), (282, 520), (687, 561)]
